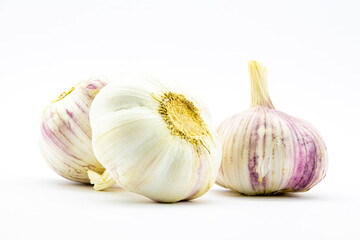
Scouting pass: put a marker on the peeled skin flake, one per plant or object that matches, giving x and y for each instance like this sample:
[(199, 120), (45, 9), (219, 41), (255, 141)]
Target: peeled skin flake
[(266, 151)]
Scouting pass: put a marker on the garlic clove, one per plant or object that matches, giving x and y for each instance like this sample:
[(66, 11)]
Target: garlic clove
[(101, 181), (266, 151), (65, 140), (154, 139)]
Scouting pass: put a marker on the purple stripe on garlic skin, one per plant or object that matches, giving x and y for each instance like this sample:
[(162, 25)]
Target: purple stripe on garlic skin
[(65, 140), (266, 151)]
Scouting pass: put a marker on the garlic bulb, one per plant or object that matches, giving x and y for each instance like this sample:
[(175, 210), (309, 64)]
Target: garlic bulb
[(65, 140), (154, 139), (266, 151)]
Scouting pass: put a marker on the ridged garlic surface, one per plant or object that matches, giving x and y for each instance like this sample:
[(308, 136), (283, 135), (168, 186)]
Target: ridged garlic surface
[(266, 151), (65, 140), (154, 139)]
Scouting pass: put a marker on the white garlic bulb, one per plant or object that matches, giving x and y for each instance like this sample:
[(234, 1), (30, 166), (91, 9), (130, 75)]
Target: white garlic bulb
[(266, 151), (154, 139), (65, 140)]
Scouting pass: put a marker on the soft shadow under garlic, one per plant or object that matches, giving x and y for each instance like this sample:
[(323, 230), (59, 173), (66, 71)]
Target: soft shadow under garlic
[(139, 200), (124, 198), (275, 197), (77, 187)]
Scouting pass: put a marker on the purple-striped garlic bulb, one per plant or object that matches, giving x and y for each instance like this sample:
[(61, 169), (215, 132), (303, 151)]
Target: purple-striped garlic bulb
[(65, 140), (266, 151)]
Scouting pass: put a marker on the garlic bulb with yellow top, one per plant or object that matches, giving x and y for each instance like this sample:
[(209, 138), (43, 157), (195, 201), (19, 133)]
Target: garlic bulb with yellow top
[(266, 151), (154, 139), (65, 140)]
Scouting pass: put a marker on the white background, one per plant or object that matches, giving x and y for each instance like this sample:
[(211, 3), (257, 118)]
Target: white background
[(311, 50)]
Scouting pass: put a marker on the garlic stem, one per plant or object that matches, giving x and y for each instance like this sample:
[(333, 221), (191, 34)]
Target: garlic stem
[(101, 182), (259, 86)]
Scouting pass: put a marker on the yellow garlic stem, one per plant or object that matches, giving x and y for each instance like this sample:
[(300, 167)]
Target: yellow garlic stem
[(259, 86), (101, 182)]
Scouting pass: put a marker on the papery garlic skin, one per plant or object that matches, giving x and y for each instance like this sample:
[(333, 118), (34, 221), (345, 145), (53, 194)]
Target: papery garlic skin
[(65, 140), (266, 151), (146, 153)]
